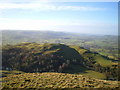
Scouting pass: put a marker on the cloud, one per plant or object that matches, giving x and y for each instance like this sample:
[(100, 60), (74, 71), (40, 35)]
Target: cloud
[(45, 6), (29, 24), (74, 26)]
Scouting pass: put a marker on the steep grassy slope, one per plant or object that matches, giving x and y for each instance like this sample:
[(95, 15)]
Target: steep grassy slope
[(102, 60), (33, 57), (55, 80)]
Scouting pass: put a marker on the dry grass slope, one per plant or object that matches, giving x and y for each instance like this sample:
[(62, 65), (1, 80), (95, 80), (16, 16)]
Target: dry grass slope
[(55, 80)]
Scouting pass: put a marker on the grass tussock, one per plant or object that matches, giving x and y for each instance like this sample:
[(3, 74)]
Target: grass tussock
[(55, 80)]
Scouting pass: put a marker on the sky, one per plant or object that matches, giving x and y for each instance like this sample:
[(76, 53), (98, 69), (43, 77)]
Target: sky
[(77, 17)]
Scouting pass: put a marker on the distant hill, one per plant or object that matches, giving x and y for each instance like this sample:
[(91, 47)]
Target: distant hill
[(106, 45), (15, 37), (52, 81), (34, 57)]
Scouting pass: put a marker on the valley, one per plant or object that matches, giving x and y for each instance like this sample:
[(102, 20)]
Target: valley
[(32, 54), (59, 45)]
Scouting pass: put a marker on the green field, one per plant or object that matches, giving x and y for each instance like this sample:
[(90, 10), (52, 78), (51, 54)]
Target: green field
[(94, 74), (102, 61)]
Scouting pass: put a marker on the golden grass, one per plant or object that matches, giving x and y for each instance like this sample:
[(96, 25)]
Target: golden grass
[(55, 80)]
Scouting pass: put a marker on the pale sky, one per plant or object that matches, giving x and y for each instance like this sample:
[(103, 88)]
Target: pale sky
[(80, 17)]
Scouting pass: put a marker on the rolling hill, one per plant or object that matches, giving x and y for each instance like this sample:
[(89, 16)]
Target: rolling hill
[(34, 57), (96, 43)]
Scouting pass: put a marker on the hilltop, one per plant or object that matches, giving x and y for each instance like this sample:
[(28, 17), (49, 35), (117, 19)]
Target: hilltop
[(34, 57)]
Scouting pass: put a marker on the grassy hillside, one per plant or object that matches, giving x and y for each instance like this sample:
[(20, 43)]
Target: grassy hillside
[(5, 73), (93, 74), (34, 57), (55, 80), (102, 60)]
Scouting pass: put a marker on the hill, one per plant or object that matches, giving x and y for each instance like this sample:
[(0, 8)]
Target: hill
[(106, 45), (56, 80), (34, 57), (31, 57)]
